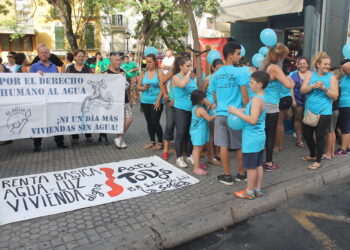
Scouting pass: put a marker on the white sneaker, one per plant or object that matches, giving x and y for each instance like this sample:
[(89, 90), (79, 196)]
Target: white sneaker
[(123, 144), (181, 163), (118, 142), (190, 160)]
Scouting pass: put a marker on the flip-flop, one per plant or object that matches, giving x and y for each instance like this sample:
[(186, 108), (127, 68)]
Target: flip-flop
[(300, 145), (202, 166), (149, 145), (200, 172), (313, 167), (214, 161), (308, 158)]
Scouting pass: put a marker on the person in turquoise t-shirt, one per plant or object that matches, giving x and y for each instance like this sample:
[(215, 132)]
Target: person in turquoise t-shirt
[(132, 71), (253, 140), (230, 91), (199, 129), (320, 90), (344, 109)]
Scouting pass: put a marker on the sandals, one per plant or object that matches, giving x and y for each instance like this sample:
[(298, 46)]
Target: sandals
[(200, 172), (308, 158), (157, 146), (149, 145), (314, 166), (300, 145)]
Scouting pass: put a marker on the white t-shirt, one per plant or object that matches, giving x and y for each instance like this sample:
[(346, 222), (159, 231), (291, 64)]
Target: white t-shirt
[(11, 68), (168, 61)]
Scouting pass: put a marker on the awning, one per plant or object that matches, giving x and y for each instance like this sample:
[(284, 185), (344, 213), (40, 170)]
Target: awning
[(237, 10)]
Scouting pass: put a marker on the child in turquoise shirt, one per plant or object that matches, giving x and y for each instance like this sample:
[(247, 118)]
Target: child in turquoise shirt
[(199, 129), (253, 136)]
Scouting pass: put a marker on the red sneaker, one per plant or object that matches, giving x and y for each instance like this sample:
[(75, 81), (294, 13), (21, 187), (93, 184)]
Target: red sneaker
[(165, 155)]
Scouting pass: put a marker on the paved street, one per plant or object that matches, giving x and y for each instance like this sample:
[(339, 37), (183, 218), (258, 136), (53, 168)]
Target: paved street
[(317, 220), (105, 223)]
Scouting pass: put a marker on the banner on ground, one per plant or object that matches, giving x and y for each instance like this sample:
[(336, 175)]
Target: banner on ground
[(32, 196), (34, 105)]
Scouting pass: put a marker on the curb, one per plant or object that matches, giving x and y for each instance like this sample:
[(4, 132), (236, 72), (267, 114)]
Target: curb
[(227, 212)]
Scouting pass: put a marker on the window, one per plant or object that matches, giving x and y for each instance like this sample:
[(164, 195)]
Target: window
[(17, 44), (27, 43), (117, 20), (90, 36), (5, 42), (59, 37)]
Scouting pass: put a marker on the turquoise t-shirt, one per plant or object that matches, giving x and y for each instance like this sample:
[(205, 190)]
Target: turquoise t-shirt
[(227, 84), (129, 66), (183, 95), (273, 92), (317, 100), (284, 90), (199, 129), (344, 99), (254, 136), (245, 77), (150, 96)]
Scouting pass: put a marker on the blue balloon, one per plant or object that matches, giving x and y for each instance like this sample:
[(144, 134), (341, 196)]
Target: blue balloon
[(213, 55), (346, 51), (234, 122), (150, 50), (242, 50), (257, 59), (268, 37), (263, 51)]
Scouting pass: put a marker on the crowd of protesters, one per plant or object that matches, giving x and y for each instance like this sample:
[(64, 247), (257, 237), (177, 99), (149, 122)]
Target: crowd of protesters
[(197, 120)]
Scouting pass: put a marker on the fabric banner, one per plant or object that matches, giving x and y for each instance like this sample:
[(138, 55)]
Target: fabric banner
[(214, 44), (34, 105), (37, 195)]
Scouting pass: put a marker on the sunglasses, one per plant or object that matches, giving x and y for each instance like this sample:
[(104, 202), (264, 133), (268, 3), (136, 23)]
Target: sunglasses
[(9, 56)]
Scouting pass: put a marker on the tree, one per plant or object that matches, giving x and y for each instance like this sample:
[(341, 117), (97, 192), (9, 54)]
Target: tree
[(170, 32), (196, 8), (153, 13), (76, 15), (4, 7)]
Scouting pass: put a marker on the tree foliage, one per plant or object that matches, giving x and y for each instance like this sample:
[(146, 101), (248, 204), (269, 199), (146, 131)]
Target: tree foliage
[(170, 32), (4, 7)]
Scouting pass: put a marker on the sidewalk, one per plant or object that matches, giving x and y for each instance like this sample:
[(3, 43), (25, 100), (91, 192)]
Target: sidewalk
[(155, 221)]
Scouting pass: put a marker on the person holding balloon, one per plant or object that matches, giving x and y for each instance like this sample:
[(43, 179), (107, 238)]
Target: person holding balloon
[(148, 84), (199, 129), (320, 90), (253, 136), (272, 100), (230, 91)]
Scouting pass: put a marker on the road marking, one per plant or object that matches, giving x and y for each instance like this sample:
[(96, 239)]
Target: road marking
[(301, 217)]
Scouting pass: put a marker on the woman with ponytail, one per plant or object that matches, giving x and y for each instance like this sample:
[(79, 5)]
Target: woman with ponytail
[(278, 80), (321, 88), (183, 86)]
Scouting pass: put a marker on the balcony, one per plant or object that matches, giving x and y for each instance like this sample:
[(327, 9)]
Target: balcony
[(117, 23)]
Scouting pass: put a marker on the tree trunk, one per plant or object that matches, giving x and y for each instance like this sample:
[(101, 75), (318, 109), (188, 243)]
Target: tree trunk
[(186, 8), (64, 11), (140, 47)]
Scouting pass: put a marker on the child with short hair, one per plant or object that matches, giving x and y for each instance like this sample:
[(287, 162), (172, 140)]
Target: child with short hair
[(253, 136), (199, 129)]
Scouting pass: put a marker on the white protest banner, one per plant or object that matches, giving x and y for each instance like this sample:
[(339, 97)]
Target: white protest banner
[(34, 105), (32, 196)]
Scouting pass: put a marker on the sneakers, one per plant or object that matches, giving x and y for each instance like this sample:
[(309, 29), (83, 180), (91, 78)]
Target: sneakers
[(118, 142), (341, 152), (270, 168), (181, 163), (241, 177), (123, 144), (225, 179), (190, 160), (243, 195)]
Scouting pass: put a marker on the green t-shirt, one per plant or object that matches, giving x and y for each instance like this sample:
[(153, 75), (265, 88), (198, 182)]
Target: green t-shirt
[(129, 66), (104, 64)]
